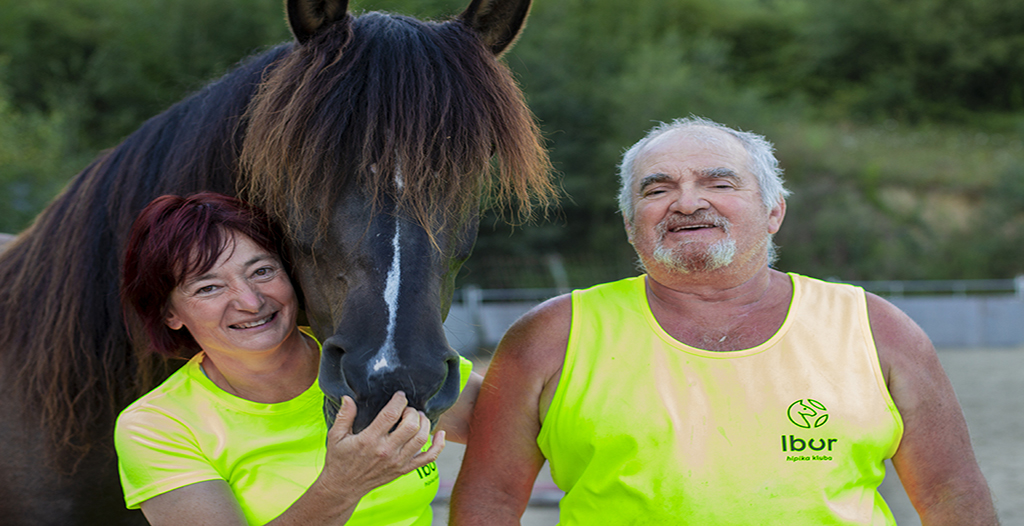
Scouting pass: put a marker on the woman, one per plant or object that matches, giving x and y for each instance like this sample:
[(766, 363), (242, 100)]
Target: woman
[(236, 436)]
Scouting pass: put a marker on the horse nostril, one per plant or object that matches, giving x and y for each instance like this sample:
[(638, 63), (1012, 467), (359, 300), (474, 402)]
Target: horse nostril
[(447, 393), (332, 378)]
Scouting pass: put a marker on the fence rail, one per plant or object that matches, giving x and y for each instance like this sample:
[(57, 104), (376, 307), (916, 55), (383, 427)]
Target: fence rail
[(954, 313), (958, 287), (938, 287)]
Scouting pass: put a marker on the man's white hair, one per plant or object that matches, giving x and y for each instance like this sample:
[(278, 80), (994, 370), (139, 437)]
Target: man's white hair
[(761, 159)]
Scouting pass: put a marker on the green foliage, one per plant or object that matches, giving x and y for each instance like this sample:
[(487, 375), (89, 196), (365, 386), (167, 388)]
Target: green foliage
[(829, 81), (881, 202), (597, 76), (899, 122), (908, 59), (34, 154), (107, 65)]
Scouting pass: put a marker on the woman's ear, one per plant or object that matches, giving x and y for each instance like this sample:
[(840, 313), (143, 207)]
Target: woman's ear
[(173, 321)]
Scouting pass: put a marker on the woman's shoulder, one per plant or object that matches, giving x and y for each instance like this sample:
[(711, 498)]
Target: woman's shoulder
[(177, 392)]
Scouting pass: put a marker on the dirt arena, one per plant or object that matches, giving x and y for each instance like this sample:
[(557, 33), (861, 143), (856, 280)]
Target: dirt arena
[(990, 385)]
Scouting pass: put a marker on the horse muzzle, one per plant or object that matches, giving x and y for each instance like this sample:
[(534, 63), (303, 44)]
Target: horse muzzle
[(431, 382)]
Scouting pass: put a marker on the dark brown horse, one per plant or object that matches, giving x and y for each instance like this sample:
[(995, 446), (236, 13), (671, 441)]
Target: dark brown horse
[(373, 139)]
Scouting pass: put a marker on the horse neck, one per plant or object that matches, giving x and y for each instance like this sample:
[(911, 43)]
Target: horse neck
[(63, 346)]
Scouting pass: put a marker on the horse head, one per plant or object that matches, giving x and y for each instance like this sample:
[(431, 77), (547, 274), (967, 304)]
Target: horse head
[(374, 142), (376, 290)]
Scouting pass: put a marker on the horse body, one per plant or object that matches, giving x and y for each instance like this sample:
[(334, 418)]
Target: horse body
[(370, 138)]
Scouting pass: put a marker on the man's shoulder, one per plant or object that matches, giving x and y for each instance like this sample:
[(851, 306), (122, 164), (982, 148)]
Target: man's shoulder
[(542, 334), (620, 284), (893, 328), (546, 317)]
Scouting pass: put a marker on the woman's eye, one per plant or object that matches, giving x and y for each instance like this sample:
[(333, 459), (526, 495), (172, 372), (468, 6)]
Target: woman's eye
[(264, 272), (205, 290)]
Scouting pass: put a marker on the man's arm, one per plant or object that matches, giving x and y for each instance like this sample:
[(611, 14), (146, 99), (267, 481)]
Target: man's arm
[(935, 460), (455, 421), (502, 458)]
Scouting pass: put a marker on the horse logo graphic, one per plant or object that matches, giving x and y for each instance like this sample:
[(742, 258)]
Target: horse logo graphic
[(807, 413)]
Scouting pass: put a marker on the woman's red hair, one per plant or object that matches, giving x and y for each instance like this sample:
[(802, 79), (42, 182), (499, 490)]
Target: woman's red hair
[(175, 237)]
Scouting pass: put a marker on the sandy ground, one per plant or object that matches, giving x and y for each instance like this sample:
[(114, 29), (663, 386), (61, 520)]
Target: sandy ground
[(990, 385)]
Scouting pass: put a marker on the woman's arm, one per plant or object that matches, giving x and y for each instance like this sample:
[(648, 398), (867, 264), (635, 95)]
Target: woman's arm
[(355, 464)]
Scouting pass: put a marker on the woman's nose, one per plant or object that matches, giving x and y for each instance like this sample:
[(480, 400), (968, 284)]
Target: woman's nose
[(249, 298)]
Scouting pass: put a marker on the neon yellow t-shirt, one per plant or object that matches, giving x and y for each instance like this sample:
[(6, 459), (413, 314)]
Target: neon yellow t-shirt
[(188, 430), (644, 429)]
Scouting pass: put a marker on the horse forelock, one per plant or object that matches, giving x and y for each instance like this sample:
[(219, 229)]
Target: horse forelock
[(419, 112)]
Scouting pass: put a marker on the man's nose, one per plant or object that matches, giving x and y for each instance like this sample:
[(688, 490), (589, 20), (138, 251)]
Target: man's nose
[(689, 200)]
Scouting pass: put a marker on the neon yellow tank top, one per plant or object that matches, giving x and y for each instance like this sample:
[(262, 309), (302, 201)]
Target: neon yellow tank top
[(644, 429)]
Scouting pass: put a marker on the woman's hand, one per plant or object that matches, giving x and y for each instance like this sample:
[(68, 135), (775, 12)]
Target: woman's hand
[(391, 446)]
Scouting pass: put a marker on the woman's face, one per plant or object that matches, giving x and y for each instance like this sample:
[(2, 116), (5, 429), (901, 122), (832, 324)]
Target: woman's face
[(245, 303)]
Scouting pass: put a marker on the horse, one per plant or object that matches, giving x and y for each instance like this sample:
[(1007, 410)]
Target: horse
[(374, 139)]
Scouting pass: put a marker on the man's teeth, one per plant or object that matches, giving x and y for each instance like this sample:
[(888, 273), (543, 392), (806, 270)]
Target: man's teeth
[(256, 323)]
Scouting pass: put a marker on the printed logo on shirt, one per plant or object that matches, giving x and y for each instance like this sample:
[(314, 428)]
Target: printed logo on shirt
[(808, 414), (427, 473)]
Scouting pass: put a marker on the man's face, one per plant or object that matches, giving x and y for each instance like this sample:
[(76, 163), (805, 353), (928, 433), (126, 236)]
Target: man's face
[(698, 208)]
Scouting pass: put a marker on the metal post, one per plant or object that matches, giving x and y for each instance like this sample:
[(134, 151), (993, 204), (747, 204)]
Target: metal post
[(473, 299)]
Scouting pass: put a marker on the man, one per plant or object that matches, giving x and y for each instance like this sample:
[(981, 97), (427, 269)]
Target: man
[(714, 389)]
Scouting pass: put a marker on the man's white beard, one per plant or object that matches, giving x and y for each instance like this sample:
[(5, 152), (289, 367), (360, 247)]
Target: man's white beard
[(684, 258), (718, 255)]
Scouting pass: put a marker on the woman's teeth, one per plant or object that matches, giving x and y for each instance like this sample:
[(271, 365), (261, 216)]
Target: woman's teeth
[(256, 323)]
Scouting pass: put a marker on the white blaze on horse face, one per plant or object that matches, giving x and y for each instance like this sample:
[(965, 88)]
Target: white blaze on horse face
[(387, 356), (398, 178)]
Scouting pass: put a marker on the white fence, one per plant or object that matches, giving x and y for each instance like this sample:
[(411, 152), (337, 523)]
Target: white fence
[(954, 313)]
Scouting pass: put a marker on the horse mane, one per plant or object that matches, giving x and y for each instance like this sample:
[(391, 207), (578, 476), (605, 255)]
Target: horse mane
[(425, 100), (65, 354)]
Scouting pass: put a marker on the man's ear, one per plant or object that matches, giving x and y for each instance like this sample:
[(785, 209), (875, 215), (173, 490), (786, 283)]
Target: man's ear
[(629, 228), (775, 216)]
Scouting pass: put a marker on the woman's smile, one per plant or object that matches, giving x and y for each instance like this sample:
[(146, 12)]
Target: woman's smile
[(254, 324)]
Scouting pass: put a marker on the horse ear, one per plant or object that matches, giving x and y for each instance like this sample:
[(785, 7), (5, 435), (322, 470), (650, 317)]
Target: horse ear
[(307, 17), (498, 22)]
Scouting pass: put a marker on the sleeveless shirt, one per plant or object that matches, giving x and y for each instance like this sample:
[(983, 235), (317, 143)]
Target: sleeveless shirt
[(644, 429)]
